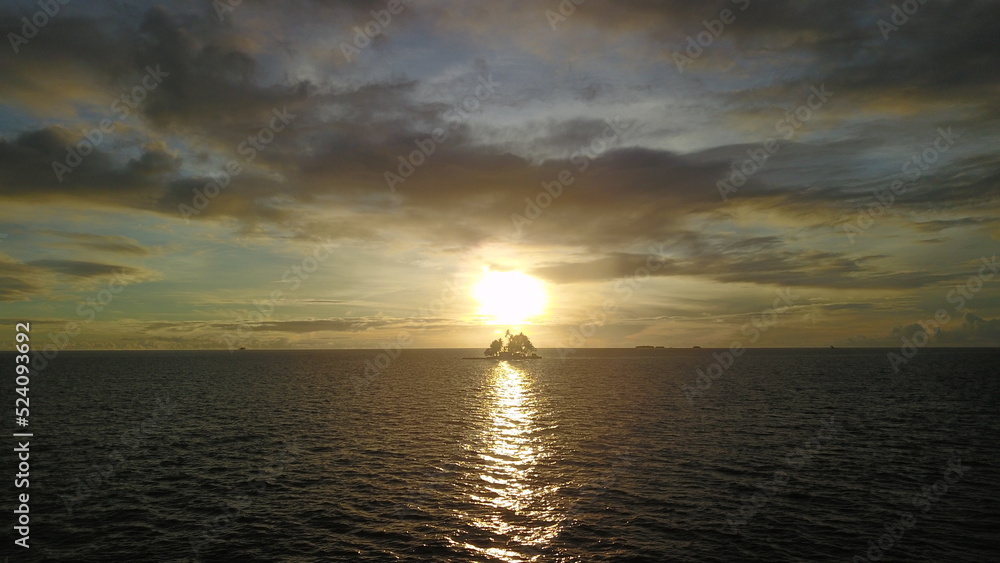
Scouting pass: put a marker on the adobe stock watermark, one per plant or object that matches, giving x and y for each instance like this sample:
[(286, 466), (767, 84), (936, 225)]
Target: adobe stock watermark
[(566, 8), (581, 159), (364, 35), (234, 507), (913, 169), (121, 108), (697, 44), (101, 475), (427, 146), (786, 127), (419, 498), (391, 350), (591, 492), (295, 275), (225, 7), (88, 311), (899, 17), (249, 149), (47, 10), (759, 324), (928, 495), (655, 261), (930, 327), (795, 460)]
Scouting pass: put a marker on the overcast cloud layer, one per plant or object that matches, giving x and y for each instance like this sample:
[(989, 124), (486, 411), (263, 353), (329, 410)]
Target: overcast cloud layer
[(196, 175)]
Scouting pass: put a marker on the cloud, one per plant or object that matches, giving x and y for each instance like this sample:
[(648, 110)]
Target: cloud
[(356, 131), (19, 281), (211, 83), (759, 260), (17, 288), (478, 196), (83, 269), (975, 330), (26, 170), (116, 244)]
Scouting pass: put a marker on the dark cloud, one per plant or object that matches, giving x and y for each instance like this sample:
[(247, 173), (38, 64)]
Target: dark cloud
[(355, 133), (27, 170), (324, 174), (117, 244), (760, 260), (939, 225), (71, 55), (946, 48), (19, 281), (324, 325), (210, 83), (83, 269), (23, 281), (975, 330), (17, 289)]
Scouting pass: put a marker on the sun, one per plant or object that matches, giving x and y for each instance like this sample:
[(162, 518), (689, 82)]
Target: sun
[(509, 298)]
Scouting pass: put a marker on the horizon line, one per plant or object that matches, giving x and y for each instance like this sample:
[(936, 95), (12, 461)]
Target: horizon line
[(539, 348)]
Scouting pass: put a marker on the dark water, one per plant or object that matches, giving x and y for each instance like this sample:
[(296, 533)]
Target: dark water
[(788, 455)]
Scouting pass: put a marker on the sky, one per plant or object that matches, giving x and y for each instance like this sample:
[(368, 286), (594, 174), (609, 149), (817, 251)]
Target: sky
[(365, 174)]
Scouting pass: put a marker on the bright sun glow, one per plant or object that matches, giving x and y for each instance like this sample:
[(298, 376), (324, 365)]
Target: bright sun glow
[(509, 298)]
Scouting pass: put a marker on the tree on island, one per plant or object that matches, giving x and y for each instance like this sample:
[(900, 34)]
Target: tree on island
[(517, 346)]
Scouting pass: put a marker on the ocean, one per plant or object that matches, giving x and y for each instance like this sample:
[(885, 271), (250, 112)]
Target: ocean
[(604, 455)]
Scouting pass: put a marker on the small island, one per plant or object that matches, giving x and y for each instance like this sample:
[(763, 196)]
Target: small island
[(517, 347)]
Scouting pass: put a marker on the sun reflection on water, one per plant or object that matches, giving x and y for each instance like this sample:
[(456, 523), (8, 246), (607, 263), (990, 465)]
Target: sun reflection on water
[(516, 511)]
